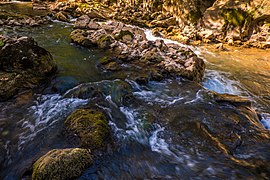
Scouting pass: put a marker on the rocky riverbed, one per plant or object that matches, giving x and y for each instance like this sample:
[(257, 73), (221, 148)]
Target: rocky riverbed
[(237, 23), (122, 107)]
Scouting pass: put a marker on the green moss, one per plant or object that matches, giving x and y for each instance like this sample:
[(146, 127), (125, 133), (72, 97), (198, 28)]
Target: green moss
[(83, 5), (104, 41), (91, 126), (61, 164), (2, 43), (105, 60), (235, 17)]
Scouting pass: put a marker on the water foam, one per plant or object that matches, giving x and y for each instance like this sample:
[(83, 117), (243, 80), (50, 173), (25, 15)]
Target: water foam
[(156, 93), (266, 120), (220, 82), (47, 110)]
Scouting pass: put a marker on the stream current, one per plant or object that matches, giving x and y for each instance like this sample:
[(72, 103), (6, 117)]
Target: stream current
[(148, 142)]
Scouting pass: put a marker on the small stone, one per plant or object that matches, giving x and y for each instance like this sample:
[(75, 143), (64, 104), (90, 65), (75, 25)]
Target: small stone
[(230, 42), (220, 47), (61, 17)]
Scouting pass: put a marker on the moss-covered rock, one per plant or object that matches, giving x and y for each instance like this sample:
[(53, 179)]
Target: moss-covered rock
[(60, 164), (105, 60), (104, 41), (235, 17), (79, 36), (151, 57), (125, 35), (91, 126)]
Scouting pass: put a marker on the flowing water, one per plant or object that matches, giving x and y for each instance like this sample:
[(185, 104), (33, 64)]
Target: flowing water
[(147, 129), (240, 71)]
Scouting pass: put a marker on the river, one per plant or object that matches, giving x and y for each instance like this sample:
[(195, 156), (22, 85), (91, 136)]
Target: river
[(146, 130)]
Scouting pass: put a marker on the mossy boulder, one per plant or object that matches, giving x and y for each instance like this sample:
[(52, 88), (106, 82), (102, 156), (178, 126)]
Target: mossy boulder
[(60, 164), (91, 126)]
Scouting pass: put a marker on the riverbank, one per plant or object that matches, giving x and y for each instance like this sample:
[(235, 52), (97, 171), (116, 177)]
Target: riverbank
[(221, 21)]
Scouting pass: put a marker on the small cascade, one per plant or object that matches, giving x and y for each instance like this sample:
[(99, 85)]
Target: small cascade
[(221, 83), (48, 110)]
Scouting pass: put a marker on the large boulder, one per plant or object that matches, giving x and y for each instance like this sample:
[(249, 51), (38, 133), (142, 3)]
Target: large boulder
[(23, 65), (91, 126), (131, 51), (60, 164)]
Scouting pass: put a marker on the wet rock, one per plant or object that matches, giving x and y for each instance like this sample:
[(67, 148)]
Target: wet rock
[(124, 35), (220, 47), (156, 32), (227, 127), (2, 153), (95, 14), (24, 54), (82, 22), (93, 25), (230, 42), (232, 99), (23, 65), (62, 164), (91, 126), (61, 17), (129, 48), (164, 23), (119, 90), (142, 80), (79, 36), (104, 41)]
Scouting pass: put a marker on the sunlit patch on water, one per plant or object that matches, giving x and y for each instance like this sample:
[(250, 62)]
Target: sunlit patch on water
[(47, 110), (219, 82)]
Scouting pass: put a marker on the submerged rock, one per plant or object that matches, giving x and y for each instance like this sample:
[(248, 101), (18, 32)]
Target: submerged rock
[(223, 127), (60, 164), (23, 65), (91, 126), (131, 51)]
